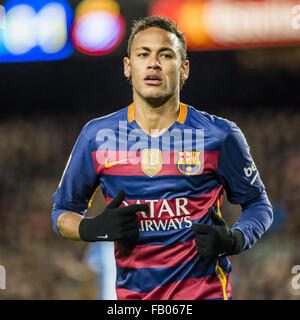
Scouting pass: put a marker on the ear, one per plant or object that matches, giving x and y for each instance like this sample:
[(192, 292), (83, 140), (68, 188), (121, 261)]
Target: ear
[(185, 70), (127, 68)]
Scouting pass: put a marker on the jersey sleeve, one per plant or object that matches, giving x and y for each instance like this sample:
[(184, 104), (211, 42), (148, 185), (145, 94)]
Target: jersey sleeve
[(236, 169), (243, 185), (78, 183)]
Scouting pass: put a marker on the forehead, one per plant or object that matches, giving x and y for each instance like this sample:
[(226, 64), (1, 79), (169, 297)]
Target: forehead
[(155, 38)]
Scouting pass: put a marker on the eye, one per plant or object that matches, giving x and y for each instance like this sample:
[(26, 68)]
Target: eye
[(144, 54), (165, 55)]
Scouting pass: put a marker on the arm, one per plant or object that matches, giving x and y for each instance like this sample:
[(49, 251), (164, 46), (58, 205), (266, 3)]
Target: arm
[(243, 185), (115, 223), (74, 196), (256, 218), (238, 174), (68, 225), (75, 191)]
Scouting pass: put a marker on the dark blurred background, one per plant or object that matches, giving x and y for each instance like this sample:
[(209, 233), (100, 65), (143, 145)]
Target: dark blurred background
[(44, 105)]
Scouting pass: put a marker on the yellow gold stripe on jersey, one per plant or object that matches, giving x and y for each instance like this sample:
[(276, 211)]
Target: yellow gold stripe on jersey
[(220, 273), (92, 197), (219, 207), (223, 279)]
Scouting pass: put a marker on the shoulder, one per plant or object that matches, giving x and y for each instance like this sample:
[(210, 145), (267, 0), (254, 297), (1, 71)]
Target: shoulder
[(108, 122), (213, 125)]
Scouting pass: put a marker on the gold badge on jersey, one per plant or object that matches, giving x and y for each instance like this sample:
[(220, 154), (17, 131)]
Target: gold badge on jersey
[(189, 162), (151, 161)]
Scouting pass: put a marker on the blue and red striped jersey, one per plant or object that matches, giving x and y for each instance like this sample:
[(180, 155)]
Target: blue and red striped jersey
[(180, 174)]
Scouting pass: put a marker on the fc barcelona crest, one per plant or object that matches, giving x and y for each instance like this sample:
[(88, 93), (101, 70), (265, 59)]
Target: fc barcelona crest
[(151, 161), (189, 162)]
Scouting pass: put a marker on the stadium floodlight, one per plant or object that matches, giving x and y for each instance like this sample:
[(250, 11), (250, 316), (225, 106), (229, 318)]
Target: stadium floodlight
[(98, 27), (36, 31)]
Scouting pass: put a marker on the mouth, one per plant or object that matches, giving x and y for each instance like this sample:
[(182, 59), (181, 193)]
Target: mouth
[(154, 80)]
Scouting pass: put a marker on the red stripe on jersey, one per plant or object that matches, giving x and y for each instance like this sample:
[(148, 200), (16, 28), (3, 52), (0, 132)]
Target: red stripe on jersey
[(155, 256), (126, 163), (178, 208), (209, 287)]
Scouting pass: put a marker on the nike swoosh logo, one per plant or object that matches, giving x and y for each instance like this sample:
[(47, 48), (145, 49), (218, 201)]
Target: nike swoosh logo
[(110, 164), (103, 237)]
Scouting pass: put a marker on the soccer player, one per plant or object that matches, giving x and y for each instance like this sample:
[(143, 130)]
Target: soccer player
[(163, 167)]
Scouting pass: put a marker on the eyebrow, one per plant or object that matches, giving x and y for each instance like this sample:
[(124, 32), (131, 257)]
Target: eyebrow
[(160, 50)]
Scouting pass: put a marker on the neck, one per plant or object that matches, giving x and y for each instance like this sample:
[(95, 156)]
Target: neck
[(155, 119)]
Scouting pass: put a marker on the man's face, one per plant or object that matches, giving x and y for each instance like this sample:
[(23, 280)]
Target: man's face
[(155, 65)]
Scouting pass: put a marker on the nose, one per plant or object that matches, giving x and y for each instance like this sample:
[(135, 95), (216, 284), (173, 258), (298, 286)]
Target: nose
[(153, 62)]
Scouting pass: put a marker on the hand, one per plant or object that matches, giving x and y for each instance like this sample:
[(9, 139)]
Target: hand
[(113, 223), (219, 240)]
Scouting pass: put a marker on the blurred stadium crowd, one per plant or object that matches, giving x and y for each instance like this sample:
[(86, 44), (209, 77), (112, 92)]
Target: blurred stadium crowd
[(39, 265)]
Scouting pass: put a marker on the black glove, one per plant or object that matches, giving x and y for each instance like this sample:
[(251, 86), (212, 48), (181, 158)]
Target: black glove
[(114, 223), (219, 240)]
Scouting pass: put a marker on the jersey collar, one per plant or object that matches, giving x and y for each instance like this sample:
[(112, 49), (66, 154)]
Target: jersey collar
[(181, 118)]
